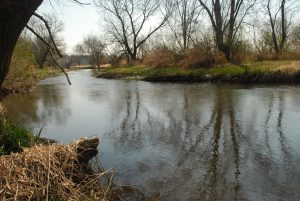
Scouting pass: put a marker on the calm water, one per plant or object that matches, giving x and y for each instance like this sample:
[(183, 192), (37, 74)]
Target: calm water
[(177, 141)]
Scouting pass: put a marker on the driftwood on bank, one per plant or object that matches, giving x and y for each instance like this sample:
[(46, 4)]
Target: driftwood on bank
[(87, 149), (54, 172)]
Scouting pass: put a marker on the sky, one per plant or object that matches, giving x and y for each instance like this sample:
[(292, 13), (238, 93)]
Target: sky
[(79, 21)]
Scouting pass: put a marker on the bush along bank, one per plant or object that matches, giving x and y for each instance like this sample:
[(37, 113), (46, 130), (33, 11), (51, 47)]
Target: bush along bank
[(256, 72)]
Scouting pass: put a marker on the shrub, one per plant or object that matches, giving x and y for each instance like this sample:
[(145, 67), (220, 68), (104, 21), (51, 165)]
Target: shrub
[(199, 57), (242, 51), (261, 56), (160, 57)]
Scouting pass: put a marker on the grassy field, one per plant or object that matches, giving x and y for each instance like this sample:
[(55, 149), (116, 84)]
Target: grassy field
[(266, 71)]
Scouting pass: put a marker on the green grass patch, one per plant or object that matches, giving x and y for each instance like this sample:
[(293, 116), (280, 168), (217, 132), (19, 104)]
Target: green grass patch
[(132, 72), (226, 70), (14, 138), (253, 71)]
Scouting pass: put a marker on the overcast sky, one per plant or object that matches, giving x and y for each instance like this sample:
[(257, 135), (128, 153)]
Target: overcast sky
[(78, 21)]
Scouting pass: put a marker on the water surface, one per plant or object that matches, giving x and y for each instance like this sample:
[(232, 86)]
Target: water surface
[(177, 141)]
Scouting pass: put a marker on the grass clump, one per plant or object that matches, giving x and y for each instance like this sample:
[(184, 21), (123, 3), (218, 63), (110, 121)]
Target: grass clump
[(14, 138)]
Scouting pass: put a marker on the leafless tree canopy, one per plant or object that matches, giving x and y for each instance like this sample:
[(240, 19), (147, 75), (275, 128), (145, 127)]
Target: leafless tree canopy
[(94, 48), (128, 22), (226, 18), (184, 22), (279, 13)]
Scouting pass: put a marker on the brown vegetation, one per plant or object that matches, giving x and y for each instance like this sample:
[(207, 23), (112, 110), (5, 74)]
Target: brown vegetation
[(160, 57), (54, 172), (199, 57)]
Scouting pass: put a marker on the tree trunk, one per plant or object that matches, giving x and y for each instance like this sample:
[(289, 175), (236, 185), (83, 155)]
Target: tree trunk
[(14, 16), (283, 26)]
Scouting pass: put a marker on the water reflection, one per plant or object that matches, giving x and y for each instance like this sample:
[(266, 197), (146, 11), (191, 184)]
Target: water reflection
[(40, 106), (179, 141)]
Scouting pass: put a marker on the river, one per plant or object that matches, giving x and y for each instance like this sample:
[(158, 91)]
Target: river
[(177, 141)]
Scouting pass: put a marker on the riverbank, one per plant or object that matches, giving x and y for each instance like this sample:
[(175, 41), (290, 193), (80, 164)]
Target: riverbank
[(254, 72), (14, 138), (35, 168), (23, 81)]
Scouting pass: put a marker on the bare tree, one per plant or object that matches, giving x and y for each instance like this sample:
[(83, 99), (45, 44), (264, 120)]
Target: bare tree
[(279, 14), (294, 42), (94, 48), (79, 53), (183, 22), (128, 22), (226, 18)]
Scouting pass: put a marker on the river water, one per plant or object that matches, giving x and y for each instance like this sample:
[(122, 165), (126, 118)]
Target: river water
[(177, 141)]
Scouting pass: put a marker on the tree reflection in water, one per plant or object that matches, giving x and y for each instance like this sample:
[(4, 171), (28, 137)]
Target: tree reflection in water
[(180, 141), (40, 107), (212, 147)]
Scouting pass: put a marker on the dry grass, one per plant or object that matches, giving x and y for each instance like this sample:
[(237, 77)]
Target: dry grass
[(201, 58), (3, 110), (160, 57), (51, 172), (22, 78)]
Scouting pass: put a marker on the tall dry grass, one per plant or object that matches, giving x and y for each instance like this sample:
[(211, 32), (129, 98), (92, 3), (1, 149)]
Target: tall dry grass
[(51, 173)]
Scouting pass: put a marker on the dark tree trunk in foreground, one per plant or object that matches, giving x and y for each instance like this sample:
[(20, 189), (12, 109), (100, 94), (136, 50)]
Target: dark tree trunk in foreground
[(14, 16)]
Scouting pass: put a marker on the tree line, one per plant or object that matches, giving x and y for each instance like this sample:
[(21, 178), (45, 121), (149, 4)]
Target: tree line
[(199, 31)]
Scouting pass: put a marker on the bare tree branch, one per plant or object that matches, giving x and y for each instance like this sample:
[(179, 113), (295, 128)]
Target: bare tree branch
[(51, 52), (49, 32), (126, 22)]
